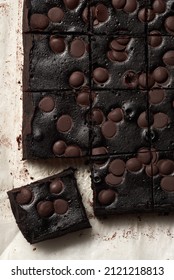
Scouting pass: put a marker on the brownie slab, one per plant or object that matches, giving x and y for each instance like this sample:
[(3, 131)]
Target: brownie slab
[(120, 121), (55, 124), (55, 16), (122, 184), (49, 208), (54, 62), (163, 182), (122, 62)]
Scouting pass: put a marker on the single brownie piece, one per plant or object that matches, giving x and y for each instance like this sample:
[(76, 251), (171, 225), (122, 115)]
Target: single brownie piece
[(55, 16), (55, 124), (120, 124), (53, 62), (161, 112), (122, 62), (160, 15), (161, 60), (123, 183), (163, 182), (49, 208), (118, 16)]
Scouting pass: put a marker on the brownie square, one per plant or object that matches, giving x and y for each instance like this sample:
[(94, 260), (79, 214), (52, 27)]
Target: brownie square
[(118, 62), (49, 208), (161, 112), (163, 182), (55, 124), (55, 16), (116, 17), (54, 62), (122, 184), (120, 121), (161, 60), (160, 16)]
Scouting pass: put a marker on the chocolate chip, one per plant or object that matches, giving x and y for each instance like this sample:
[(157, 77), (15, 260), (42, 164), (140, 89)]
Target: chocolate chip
[(117, 56), (106, 197), (146, 80), (151, 170), (156, 96), (61, 206), (71, 4), (133, 165), (155, 39), (24, 196), (167, 183), (166, 167), (123, 40), (160, 120), (159, 6), (97, 116), (130, 6), (99, 151), (45, 209), (118, 4), (168, 58), (117, 167), (57, 44), (64, 123), (150, 15), (142, 15), (77, 48), (83, 99), (169, 24), (116, 115), (112, 180), (142, 120), (100, 75), (76, 79), (101, 13), (116, 46), (56, 14), (160, 74), (47, 104), (109, 129), (85, 15), (56, 186), (146, 15), (73, 151), (144, 155), (59, 148), (39, 21)]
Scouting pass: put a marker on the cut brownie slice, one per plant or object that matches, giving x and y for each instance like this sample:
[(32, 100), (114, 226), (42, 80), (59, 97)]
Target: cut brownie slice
[(55, 124), (55, 15), (54, 62), (123, 183), (49, 208)]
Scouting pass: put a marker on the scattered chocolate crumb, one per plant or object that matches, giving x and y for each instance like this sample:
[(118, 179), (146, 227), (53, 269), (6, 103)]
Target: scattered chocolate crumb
[(19, 141), (34, 249)]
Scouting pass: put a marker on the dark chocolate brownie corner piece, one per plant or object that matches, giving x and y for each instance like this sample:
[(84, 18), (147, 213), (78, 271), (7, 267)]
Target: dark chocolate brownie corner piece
[(55, 16), (54, 62), (123, 184), (120, 124), (49, 208), (163, 182), (55, 124)]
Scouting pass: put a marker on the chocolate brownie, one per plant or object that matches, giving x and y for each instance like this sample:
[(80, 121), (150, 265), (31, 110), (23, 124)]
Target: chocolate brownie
[(55, 124), (54, 62), (49, 208), (120, 125), (123, 183), (55, 16)]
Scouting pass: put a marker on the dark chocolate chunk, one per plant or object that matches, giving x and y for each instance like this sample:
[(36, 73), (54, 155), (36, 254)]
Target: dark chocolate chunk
[(56, 208)]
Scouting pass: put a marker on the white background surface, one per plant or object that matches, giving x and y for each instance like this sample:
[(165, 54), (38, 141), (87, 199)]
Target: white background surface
[(119, 237)]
